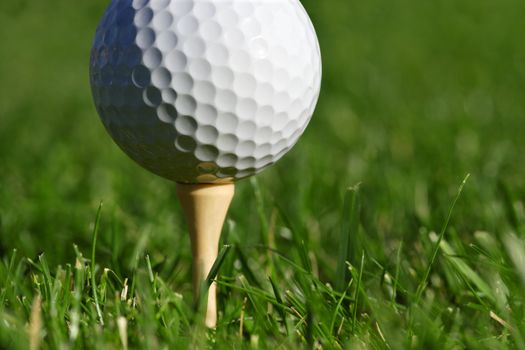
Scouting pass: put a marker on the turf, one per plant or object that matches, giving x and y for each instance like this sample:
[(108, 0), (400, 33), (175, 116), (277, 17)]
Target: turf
[(368, 234)]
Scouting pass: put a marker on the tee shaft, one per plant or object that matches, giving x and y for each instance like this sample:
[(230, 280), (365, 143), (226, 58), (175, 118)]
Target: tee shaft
[(205, 207)]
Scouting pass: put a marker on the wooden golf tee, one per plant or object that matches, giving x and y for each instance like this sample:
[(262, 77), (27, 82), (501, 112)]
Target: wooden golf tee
[(205, 207)]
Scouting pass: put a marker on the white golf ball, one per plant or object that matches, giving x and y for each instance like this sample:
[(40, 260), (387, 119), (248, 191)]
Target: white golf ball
[(203, 91)]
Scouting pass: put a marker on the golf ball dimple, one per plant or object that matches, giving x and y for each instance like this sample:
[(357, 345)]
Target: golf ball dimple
[(204, 90)]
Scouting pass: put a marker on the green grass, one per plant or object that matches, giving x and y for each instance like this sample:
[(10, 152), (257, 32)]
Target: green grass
[(363, 236)]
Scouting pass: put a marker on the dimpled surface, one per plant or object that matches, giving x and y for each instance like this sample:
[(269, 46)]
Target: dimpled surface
[(203, 91)]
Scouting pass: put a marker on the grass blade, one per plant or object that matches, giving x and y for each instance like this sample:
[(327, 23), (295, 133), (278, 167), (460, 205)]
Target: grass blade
[(93, 251), (279, 300), (423, 283), (7, 280), (338, 307), (357, 292), (247, 271), (259, 204), (466, 271), (217, 264), (348, 246)]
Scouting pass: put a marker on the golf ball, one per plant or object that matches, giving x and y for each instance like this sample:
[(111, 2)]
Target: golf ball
[(204, 91)]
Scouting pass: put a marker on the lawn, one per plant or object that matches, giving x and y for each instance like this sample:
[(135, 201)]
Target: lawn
[(397, 221)]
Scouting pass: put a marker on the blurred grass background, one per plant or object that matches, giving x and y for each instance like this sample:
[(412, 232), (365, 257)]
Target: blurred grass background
[(415, 95)]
